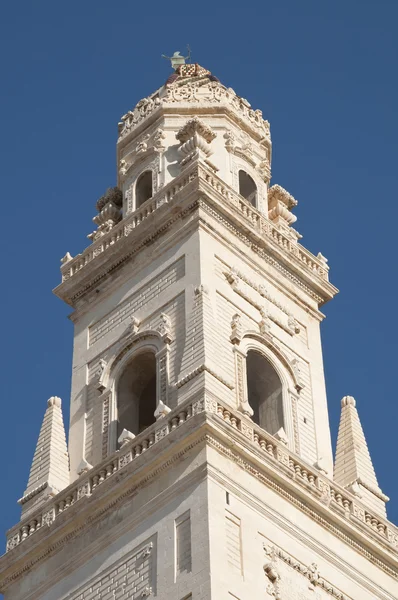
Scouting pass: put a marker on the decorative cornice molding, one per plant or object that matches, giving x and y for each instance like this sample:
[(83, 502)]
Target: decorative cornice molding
[(113, 248), (199, 95), (233, 435)]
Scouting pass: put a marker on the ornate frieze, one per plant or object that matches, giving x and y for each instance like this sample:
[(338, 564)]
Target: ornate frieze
[(284, 584), (200, 92)]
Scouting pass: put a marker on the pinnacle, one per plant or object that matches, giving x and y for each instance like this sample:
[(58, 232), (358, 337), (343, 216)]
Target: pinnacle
[(50, 466), (353, 467)]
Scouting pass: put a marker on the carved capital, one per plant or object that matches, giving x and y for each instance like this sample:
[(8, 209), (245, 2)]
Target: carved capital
[(195, 137), (280, 203)]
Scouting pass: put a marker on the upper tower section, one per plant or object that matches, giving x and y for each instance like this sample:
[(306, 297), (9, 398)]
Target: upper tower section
[(159, 137), (193, 132)]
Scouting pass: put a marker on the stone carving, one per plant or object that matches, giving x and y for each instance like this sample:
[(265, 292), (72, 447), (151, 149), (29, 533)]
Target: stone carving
[(65, 259), (164, 328), (280, 203), (83, 467), (144, 108), (142, 145), (13, 542), (296, 366), (273, 571), (281, 436), (214, 92), (264, 170), (48, 517), (134, 325), (293, 402), (158, 140), (163, 380), (101, 374), (109, 213), (323, 260), (195, 127), (293, 325), (272, 574), (195, 138), (125, 437), (243, 405), (320, 464), (230, 141), (161, 410), (236, 329), (233, 275), (265, 322)]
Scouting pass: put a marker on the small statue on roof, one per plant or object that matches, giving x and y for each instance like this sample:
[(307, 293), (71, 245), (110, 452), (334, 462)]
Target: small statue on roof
[(177, 60)]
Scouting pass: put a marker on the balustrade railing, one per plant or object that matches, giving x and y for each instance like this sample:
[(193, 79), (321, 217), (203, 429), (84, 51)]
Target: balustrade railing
[(306, 476), (167, 194)]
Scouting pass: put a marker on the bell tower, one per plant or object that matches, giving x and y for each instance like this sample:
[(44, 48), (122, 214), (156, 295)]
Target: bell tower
[(200, 459)]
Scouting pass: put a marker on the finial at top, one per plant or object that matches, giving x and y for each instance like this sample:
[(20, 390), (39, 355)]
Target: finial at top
[(177, 60), (54, 401), (348, 401)]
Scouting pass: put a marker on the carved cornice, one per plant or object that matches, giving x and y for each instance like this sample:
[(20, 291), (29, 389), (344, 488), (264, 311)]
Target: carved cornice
[(160, 212), (234, 436), (199, 96)]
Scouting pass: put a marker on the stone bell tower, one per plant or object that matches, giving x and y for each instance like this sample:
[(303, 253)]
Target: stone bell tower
[(199, 462)]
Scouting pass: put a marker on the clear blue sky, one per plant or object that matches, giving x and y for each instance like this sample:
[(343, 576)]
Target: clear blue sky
[(324, 74)]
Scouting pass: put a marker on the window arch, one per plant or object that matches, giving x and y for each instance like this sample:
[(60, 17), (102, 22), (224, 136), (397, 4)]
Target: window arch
[(136, 394), (143, 188), (264, 392), (247, 187)]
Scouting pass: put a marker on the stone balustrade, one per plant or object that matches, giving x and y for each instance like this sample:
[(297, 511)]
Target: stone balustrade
[(231, 199), (274, 452), (260, 222)]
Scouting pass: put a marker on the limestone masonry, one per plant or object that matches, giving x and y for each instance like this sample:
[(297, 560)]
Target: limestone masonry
[(199, 462)]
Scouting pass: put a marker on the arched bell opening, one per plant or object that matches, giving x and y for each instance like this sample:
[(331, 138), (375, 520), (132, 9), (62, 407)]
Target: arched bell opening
[(264, 392), (247, 187), (143, 188), (136, 394)]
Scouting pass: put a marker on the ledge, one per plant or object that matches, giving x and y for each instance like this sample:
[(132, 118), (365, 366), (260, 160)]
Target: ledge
[(196, 184), (210, 422)]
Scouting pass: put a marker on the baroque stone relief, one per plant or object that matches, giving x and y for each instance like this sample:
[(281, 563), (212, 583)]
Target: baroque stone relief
[(289, 579), (146, 145), (199, 91)]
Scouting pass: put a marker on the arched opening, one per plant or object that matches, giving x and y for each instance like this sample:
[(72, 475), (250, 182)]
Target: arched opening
[(143, 188), (264, 392), (136, 394), (247, 188)]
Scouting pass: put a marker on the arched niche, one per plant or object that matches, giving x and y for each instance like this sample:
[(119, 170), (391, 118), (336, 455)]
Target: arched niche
[(143, 188), (267, 385), (133, 384), (136, 393), (247, 187), (264, 392)]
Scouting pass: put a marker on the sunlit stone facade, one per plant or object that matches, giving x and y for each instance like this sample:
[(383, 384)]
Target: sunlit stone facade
[(200, 461)]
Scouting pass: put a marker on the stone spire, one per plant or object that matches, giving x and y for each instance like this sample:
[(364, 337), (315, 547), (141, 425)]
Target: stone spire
[(353, 467), (49, 473)]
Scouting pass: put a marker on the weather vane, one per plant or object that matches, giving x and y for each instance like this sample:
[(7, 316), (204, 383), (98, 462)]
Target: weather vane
[(177, 60)]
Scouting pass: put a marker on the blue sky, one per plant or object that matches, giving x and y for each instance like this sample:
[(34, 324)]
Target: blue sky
[(323, 74)]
